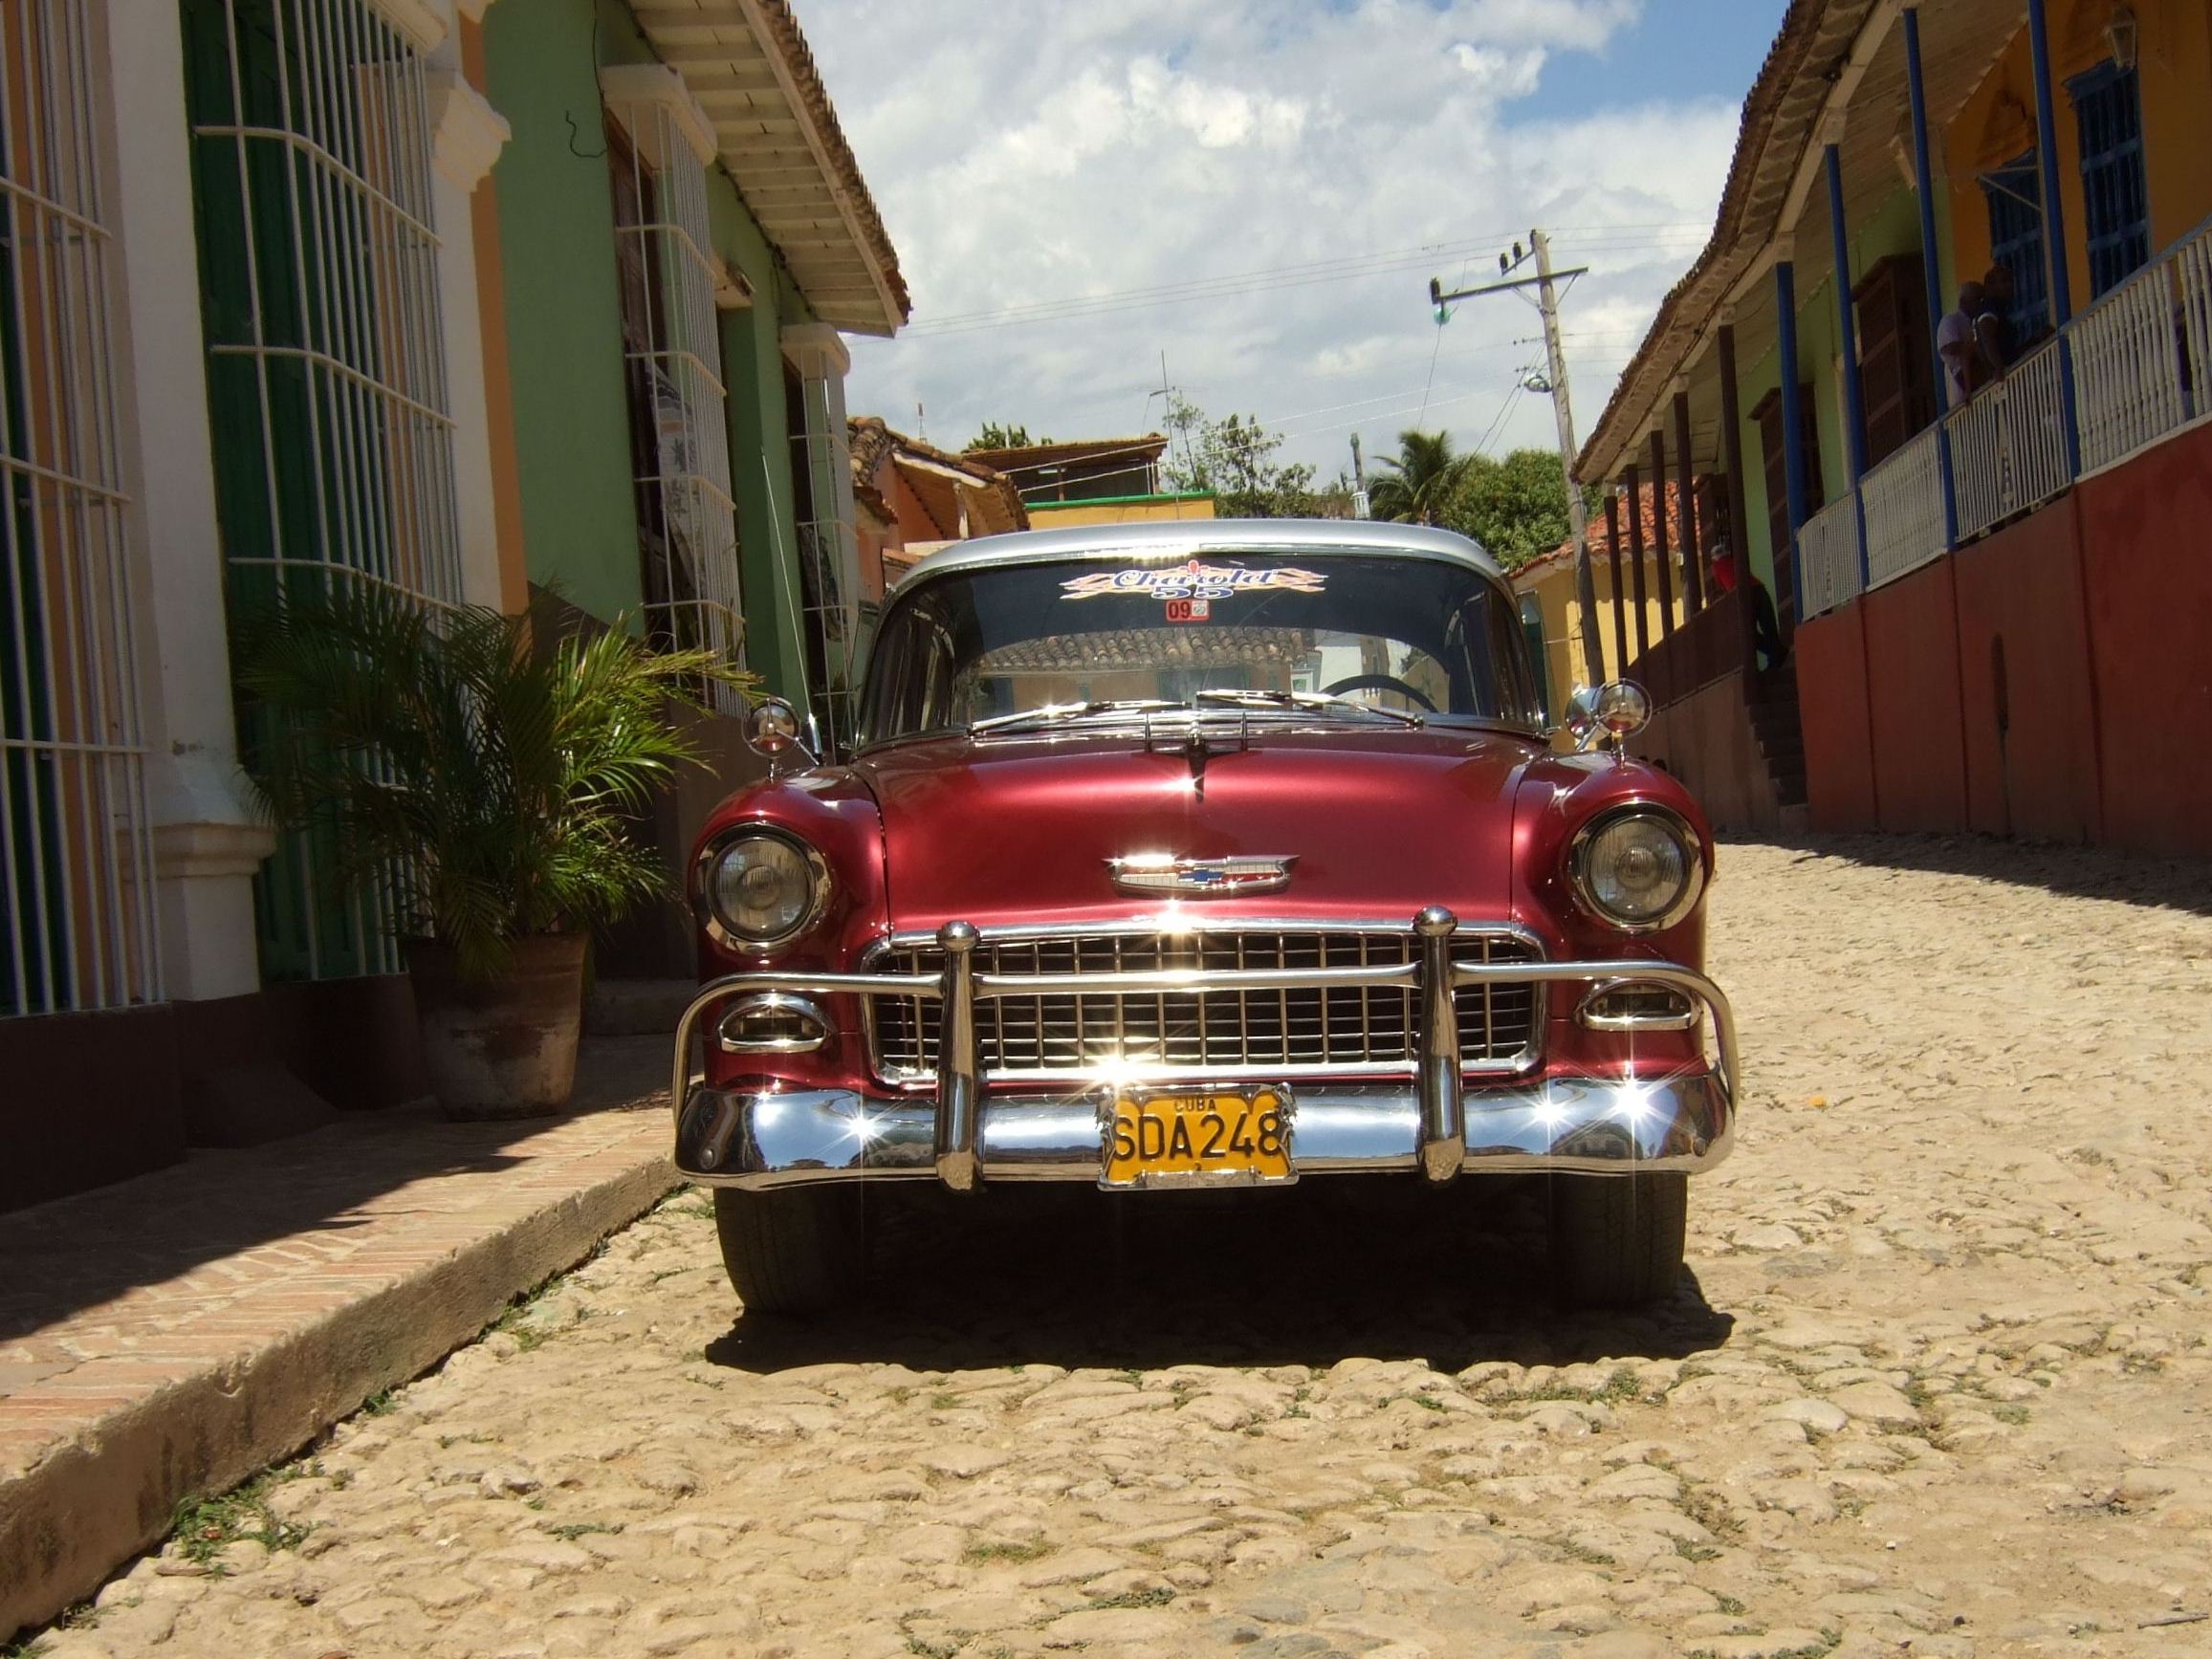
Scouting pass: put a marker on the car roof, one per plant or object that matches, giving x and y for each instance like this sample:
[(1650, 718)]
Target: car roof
[(1184, 539)]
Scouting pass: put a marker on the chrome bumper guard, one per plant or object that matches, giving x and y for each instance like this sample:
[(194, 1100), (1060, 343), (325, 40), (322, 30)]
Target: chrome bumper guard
[(1432, 1122)]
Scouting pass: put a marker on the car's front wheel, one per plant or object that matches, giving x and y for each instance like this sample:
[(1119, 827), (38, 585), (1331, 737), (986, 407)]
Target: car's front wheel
[(791, 1249), (1617, 1240)]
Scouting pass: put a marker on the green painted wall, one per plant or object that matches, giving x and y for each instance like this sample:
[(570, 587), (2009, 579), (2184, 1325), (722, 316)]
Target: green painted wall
[(760, 442), (1894, 227), (564, 335)]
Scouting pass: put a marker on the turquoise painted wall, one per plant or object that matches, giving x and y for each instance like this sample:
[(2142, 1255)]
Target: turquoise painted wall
[(564, 335), (1894, 227)]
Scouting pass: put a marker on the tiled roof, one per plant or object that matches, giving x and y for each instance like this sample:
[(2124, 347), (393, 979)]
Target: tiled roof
[(749, 66), (1779, 119), (1601, 547), (1135, 450), (871, 438)]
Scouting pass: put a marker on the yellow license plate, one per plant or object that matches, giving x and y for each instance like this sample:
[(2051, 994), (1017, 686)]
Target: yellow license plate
[(1207, 1139)]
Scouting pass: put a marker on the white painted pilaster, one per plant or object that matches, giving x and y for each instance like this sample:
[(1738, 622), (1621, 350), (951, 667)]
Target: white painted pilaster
[(467, 135), (207, 835)]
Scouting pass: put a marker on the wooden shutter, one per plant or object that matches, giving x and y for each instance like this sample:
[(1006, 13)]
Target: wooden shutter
[(1895, 369), (1768, 414)]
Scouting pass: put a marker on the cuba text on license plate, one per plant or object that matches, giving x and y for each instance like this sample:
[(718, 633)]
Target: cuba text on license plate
[(1199, 1139)]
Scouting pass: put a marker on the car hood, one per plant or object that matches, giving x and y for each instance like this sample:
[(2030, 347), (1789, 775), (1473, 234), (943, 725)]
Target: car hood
[(1012, 831)]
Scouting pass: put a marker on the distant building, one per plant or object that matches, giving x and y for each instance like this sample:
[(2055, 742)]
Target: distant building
[(1098, 481), (913, 499)]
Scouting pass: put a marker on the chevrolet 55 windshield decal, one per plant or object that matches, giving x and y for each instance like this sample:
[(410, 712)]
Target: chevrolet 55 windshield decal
[(1195, 580)]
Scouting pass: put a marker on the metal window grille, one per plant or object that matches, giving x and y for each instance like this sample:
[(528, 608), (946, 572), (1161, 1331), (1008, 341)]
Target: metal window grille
[(828, 551), (75, 867), (2014, 192), (2117, 201), (334, 451), (687, 517)]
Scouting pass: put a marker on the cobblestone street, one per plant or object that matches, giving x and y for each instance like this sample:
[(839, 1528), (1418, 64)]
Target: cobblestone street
[(1940, 1387)]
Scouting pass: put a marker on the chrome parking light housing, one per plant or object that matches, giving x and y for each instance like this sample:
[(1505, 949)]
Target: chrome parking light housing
[(772, 1022)]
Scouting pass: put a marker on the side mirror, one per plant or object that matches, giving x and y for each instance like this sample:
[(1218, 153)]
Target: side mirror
[(1608, 716), (773, 732)]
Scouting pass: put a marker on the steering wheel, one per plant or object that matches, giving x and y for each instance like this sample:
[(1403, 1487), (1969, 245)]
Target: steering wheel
[(1379, 682)]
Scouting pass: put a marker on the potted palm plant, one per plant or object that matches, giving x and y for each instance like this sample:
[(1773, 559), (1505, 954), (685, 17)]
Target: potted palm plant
[(487, 782)]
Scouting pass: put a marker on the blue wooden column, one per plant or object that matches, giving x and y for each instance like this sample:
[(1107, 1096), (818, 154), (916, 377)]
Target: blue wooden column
[(1792, 423), (1931, 266), (2054, 248), (1848, 343)]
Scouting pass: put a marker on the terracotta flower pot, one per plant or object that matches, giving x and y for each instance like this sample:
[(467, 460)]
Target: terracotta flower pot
[(503, 1047)]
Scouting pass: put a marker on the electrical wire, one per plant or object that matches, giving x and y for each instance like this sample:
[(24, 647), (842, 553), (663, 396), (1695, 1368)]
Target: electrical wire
[(1345, 267)]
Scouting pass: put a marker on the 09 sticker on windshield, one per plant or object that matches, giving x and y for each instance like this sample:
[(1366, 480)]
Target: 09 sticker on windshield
[(1194, 580)]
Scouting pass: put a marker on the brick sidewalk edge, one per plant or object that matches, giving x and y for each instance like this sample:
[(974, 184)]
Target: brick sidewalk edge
[(107, 1493)]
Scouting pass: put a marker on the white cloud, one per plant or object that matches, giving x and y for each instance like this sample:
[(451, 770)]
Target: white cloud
[(1062, 149)]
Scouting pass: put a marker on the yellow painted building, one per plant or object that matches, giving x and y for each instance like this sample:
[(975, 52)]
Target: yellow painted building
[(1119, 510), (2170, 44), (1545, 586)]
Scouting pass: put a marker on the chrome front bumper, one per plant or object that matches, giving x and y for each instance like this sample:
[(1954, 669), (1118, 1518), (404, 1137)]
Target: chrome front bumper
[(772, 1134)]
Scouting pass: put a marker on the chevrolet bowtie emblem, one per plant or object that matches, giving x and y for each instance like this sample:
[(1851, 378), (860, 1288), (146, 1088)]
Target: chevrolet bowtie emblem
[(1229, 878)]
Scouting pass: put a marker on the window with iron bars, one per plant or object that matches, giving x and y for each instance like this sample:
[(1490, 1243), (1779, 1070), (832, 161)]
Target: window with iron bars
[(2016, 242), (326, 375), (679, 434), (2116, 202), (77, 929)]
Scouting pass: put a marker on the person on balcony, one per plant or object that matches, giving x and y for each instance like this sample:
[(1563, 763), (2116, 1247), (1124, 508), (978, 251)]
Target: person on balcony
[(1956, 345), (1765, 629), (1996, 346)]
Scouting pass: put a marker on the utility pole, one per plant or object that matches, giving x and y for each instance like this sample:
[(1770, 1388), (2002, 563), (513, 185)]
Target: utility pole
[(1359, 480), (1545, 283)]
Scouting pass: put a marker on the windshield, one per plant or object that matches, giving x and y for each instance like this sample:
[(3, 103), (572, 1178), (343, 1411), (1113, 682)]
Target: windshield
[(1239, 635)]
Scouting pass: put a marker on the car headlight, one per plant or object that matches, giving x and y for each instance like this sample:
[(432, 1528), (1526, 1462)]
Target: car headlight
[(1638, 869), (763, 888)]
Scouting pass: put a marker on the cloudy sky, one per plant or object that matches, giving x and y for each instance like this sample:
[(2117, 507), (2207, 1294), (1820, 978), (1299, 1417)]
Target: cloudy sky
[(1261, 189)]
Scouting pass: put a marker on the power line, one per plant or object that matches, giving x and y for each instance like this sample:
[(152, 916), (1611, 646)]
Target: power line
[(1343, 268)]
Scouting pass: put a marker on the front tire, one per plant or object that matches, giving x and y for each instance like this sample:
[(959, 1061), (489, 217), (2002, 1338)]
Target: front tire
[(1617, 1240), (789, 1249)]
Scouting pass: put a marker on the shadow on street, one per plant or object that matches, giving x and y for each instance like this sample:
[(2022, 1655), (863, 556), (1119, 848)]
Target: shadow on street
[(2069, 870), (1306, 1276)]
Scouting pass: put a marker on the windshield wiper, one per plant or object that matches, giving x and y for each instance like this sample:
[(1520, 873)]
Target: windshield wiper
[(1252, 697), (1045, 714)]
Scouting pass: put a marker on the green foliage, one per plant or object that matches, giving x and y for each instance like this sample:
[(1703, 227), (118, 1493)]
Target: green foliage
[(1515, 508), (1234, 461), (203, 1527), (502, 776), (1009, 436), (1419, 484)]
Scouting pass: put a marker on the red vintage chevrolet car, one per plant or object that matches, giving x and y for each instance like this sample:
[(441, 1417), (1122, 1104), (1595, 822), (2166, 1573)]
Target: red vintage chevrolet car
[(1203, 854)]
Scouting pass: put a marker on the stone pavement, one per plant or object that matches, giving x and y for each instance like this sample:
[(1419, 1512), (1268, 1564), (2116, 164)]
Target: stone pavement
[(170, 1335), (1937, 1386)]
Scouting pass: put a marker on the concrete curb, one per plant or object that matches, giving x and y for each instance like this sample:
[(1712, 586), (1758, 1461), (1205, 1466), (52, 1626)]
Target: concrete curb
[(110, 1489)]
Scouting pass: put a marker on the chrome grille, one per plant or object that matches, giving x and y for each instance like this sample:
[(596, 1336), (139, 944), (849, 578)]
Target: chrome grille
[(1216, 1034)]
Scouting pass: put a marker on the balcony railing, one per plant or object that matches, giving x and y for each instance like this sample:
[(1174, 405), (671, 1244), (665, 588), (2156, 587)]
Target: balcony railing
[(1904, 503), (2008, 443), (1828, 553), (2130, 371)]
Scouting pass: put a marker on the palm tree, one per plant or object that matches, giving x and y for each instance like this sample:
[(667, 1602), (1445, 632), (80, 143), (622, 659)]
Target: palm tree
[(1417, 484), (501, 772)]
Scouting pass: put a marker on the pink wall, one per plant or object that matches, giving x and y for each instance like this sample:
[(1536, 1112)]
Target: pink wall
[(2029, 704), (2052, 680), (2148, 571), (1920, 755), (1831, 653)]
